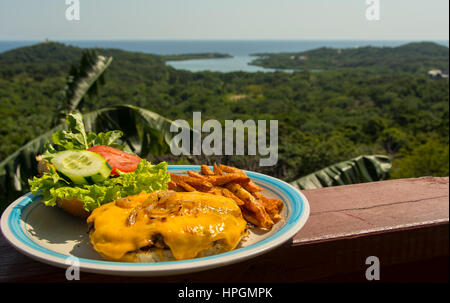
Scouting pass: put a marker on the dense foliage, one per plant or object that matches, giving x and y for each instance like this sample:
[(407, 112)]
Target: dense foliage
[(418, 57), (324, 118)]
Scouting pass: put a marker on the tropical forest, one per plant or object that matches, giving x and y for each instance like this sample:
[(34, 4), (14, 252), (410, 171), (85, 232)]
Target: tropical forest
[(344, 115)]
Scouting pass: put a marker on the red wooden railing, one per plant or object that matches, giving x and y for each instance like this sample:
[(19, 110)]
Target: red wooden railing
[(404, 223)]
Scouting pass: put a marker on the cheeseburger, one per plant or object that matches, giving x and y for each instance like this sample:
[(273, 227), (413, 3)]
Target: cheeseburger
[(166, 225)]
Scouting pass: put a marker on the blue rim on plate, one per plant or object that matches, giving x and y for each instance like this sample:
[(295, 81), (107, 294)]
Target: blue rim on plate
[(297, 213)]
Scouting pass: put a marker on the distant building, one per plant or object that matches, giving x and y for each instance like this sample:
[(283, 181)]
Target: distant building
[(301, 58), (437, 74)]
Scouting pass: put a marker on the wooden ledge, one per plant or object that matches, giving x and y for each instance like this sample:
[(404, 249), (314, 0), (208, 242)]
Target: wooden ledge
[(405, 223), (379, 207)]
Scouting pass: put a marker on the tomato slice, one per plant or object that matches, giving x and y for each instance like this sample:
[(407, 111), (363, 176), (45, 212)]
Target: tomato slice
[(119, 160)]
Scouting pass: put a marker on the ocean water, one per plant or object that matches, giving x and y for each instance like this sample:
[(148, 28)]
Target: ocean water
[(239, 49)]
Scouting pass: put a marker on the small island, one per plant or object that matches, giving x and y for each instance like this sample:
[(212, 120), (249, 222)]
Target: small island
[(416, 57), (182, 57)]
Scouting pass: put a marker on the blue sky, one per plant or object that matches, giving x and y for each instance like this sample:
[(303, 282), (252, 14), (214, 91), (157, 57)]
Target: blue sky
[(224, 19)]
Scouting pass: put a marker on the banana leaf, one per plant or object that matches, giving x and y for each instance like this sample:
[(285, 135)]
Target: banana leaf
[(145, 133), (20, 165), (369, 168), (82, 81)]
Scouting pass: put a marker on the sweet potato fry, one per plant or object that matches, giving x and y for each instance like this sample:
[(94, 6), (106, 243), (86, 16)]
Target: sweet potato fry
[(217, 170), (233, 183), (230, 169), (240, 192), (252, 187), (272, 210), (186, 186), (176, 178), (205, 170), (172, 185), (229, 194), (216, 190), (195, 174), (272, 206), (277, 203), (228, 178), (252, 204), (249, 217), (198, 183)]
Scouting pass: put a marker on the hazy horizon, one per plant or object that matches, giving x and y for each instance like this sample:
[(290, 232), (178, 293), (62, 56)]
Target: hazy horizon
[(249, 39), (400, 20)]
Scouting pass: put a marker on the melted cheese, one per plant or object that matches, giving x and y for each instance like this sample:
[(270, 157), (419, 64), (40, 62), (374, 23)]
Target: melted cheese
[(201, 220)]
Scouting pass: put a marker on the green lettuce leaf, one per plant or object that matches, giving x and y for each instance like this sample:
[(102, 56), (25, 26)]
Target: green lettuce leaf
[(109, 139), (76, 138), (147, 177)]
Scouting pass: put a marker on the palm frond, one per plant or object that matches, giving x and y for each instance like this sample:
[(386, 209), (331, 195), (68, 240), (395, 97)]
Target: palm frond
[(362, 169)]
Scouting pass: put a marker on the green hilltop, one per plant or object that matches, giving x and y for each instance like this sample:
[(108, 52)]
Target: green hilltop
[(324, 117), (417, 57), (53, 59)]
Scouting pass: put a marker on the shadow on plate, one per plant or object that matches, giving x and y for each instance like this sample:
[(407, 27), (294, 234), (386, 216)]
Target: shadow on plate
[(53, 225)]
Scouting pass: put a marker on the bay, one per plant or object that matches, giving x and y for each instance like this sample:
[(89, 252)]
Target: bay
[(239, 49)]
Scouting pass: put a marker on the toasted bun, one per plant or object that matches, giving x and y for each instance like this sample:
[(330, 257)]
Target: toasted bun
[(74, 207)]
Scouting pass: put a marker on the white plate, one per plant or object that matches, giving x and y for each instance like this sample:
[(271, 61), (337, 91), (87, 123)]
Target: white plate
[(52, 236)]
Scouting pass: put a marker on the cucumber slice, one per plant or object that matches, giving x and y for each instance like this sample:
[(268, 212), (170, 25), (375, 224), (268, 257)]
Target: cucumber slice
[(82, 166)]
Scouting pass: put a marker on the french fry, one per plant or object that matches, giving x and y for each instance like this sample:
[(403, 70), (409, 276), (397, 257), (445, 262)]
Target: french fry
[(176, 187), (176, 178), (278, 204), (249, 186), (229, 194), (249, 217), (272, 206), (195, 174), (217, 170), (240, 192), (198, 183), (233, 183), (172, 185), (228, 178), (205, 170), (252, 187), (230, 169), (218, 191), (186, 186), (252, 204)]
